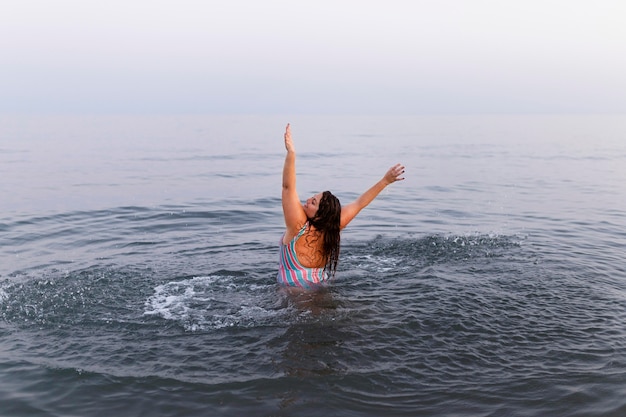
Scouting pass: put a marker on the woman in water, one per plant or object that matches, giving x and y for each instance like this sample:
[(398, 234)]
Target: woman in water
[(309, 249)]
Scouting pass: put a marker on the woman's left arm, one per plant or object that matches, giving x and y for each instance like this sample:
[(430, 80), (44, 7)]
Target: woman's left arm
[(350, 211)]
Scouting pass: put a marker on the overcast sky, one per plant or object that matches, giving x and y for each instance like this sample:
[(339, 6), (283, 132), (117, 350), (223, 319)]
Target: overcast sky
[(291, 56)]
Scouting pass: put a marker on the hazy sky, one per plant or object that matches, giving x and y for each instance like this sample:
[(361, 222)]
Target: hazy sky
[(290, 56)]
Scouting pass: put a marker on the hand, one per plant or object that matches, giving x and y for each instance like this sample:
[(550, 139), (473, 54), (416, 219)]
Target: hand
[(288, 142), (394, 173)]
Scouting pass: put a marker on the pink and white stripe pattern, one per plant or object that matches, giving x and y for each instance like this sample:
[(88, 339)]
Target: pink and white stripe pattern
[(291, 273)]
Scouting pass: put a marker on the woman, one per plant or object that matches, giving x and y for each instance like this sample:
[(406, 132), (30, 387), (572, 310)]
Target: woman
[(309, 249)]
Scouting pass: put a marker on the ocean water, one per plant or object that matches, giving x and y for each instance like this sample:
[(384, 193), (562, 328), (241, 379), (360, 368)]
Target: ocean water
[(139, 253)]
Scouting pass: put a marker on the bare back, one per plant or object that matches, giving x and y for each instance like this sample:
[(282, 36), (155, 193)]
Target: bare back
[(309, 249)]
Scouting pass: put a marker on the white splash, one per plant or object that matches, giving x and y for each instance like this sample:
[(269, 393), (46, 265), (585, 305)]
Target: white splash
[(210, 302)]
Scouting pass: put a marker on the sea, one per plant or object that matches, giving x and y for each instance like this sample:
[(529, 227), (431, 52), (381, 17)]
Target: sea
[(138, 261)]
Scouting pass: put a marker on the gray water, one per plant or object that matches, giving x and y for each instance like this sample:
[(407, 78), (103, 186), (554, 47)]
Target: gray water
[(139, 254)]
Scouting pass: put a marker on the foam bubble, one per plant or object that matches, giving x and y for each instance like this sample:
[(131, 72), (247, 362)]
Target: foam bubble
[(377, 264), (3, 295), (211, 302)]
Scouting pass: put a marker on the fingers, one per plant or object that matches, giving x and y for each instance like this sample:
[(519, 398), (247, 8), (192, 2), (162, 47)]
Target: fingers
[(397, 170), (288, 132), (288, 142)]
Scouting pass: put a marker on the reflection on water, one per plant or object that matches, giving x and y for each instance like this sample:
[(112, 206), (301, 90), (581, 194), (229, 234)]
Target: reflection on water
[(311, 347), (316, 331)]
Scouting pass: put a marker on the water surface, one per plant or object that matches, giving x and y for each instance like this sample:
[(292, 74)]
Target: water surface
[(139, 260)]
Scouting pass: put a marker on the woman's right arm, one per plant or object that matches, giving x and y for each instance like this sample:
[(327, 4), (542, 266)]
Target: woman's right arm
[(293, 211), (350, 211)]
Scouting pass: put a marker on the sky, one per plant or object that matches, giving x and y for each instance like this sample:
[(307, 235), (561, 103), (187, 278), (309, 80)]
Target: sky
[(320, 57)]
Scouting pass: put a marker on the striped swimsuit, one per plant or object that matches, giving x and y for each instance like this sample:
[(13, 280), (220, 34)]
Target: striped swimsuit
[(291, 273)]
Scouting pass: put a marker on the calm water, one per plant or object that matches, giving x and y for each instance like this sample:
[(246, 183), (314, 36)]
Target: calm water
[(138, 259)]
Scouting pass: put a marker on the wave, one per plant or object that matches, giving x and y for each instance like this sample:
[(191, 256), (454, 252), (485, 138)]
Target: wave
[(214, 302), (226, 298), (384, 255)]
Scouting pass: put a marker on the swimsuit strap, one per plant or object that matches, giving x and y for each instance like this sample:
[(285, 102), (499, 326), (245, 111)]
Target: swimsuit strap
[(301, 232)]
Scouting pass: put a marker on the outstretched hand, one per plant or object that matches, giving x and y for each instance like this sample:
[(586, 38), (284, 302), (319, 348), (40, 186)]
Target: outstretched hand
[(288, 142), (394, 174)]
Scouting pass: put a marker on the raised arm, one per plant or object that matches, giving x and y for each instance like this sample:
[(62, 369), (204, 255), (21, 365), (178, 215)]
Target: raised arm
[(349, 212), (294, 214)]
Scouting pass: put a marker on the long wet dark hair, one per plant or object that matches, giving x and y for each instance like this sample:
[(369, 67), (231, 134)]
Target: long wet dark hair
[(327, 220)]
